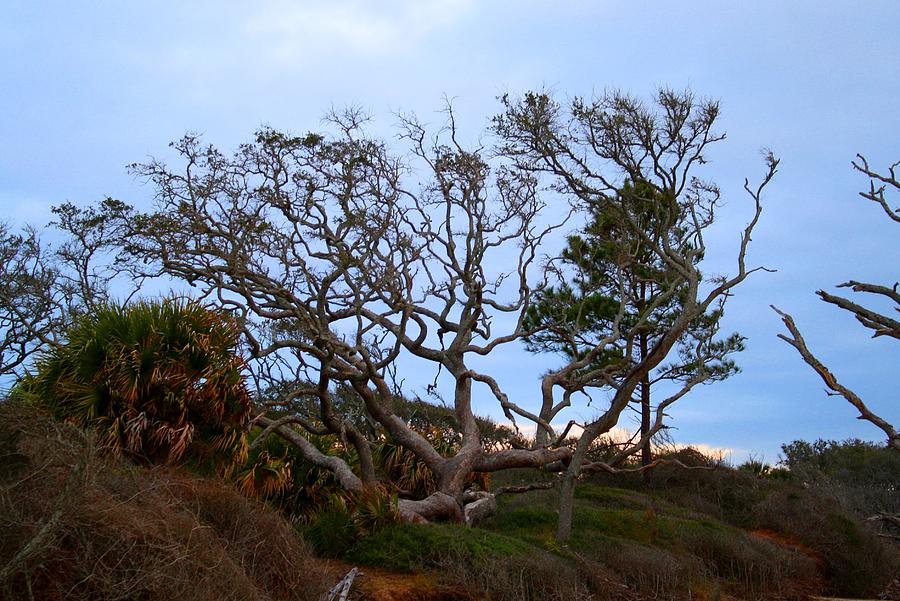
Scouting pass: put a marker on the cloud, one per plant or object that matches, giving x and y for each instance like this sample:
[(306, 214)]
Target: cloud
[(298, 31), (20, 208), (621, 435)]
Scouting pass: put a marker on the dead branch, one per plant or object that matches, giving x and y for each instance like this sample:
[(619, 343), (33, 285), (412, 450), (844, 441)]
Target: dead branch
[(878, 183), (796, 340), (881, 324), (609, 469), (341, 590), (505, 490)]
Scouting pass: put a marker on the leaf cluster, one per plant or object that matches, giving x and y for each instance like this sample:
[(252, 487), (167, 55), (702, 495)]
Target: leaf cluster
[(159, 381)]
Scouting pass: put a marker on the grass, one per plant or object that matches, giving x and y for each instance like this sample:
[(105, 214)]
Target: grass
[(620, 536), (409, 548), (75, 524), (658, 548), (78, 525)]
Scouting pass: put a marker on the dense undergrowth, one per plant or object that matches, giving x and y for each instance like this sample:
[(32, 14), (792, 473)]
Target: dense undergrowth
[(75, 525), (80, 525), (626, 545), (823, 515), (672, 534)]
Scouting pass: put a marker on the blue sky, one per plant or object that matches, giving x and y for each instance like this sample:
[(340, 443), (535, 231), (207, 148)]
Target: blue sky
[(90, 87)]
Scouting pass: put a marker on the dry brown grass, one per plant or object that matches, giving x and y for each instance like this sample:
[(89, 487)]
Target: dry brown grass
[(75, 525)]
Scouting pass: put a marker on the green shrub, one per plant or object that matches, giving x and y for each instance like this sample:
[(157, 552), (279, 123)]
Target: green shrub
[(332, 532), (856, 562), (158, 381), (863, 475), (348, 517)]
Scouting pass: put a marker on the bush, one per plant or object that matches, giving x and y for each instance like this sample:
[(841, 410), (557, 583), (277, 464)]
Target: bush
[(75, 525), (350, 516), (855, 561), (810, 514), (331, 533), (863, 475), (159, 382)]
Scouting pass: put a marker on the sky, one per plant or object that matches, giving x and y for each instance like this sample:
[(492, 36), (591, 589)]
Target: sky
[(87, 88)]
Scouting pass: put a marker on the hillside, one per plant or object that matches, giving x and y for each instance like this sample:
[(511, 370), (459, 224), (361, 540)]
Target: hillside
[(77, 525)]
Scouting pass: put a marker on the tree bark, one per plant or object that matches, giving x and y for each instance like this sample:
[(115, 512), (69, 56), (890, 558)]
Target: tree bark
[(566, 503), (437, 506), (646, 454)]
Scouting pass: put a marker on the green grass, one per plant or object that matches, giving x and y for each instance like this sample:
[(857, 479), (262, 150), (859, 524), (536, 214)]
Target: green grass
[(657, 547), (410, 547), (617, 497), (649, 541), (604, 514)]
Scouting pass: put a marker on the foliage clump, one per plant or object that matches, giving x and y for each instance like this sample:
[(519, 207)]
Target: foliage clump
[(158, 381), (816, 506)]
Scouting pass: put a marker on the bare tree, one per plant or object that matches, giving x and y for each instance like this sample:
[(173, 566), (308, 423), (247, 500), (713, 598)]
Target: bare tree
[(31, 315), (45, 286), (337, 267), (881, 324), (622, 158), (343, 259)]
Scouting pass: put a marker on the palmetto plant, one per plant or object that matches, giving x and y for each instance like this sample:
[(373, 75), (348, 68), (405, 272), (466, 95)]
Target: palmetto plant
[(409, 474), (159, 381), (277, 473), (405, 470), (265, 476)]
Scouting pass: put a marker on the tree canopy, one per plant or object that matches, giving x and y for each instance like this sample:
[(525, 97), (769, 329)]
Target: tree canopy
[(337, 254)]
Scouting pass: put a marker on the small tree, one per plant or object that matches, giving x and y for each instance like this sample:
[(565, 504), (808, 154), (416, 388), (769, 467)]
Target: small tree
[(625, 161), (597, 262), (30, 314), (45, 287), (881, 324)]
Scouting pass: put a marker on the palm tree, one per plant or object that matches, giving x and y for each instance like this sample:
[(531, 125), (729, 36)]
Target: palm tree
[(159, 381)]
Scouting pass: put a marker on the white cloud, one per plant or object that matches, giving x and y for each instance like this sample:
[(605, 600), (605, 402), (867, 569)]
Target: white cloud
[(20, 209), (724, 453), (620, 435)]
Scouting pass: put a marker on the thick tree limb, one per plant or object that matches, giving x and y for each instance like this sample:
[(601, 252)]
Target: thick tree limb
[(335, 465), (605, 467), (437, 506), (891, 292), (511, 458), (881, 324), (283, 421), (505, 490)]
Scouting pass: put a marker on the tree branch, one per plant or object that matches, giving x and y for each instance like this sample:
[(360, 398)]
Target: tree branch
[(796, 340)]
